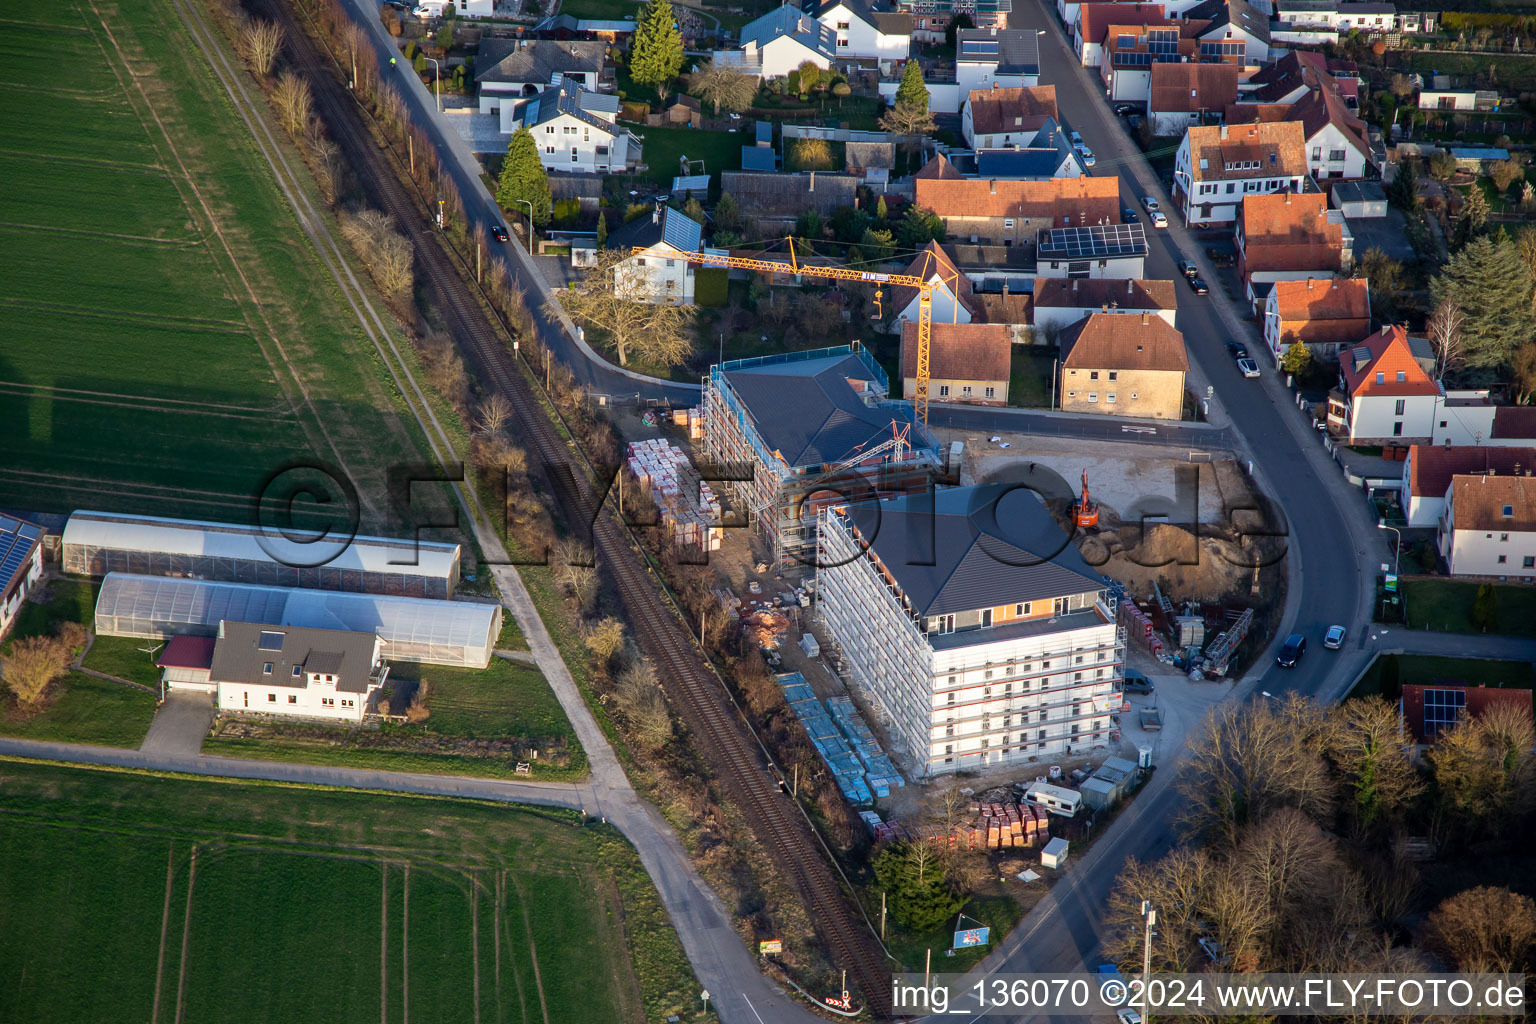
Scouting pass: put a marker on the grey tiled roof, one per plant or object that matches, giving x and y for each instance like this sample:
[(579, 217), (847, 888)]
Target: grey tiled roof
[(245, 648), (965, 548), (788, 20), (808, 412), (1013, 51), (536, 61), (675, 228), (570, 98)]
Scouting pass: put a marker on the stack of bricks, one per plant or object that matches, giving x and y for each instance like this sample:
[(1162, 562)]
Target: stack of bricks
[(995, 826)]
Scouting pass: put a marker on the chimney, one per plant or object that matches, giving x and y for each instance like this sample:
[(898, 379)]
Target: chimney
[(1223, 131), (1005, 287), (813, 181), (1145, 319), (1309, 284), (1130, 287), (1287, 199), (1104, 308), (1074, 286), (994, 30), (993, 185)]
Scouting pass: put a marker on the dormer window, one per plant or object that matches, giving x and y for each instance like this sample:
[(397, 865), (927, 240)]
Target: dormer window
[(1381, 378), (1401, 376), (298, 670), (1509, 511)]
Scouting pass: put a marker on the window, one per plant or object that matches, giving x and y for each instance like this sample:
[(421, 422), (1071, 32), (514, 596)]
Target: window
[(1401, 376), (1021, 609), (266, 669), (1508, 511), (949, 731), (1110, 398), (1071, 394), (1442, 424), (549, 129), (1335, 155), (943, 390), (1093, 374), (1503, 559), (1093, 396), (842, 26), (575, 155), (1381, 378), (1008, 224), (1401, 403), (271, 698), (298, 670), (1133, 396), (965, 391), (951, 694), (991, 392), (986, 620), (1125, 42), (1045, 713), (1528, 562), (328, 702), (1317, 152), (549, 150), (1503, 538), (293, 698), (1397, 429), (1114, 375)]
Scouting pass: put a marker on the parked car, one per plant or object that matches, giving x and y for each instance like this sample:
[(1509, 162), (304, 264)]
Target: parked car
[(1188, 269), (1295, 647), (1238, 349), (1126, 1015), (499, 233), (1198, 285), (1135, 682), (1087, 155), (1158, 220), (1149, 203), (1122, 109), (1248, 368), (1077, 139), (1334, 638), (1128, 214)]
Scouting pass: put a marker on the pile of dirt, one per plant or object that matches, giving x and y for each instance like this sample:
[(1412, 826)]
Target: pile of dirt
[(765, 629), (1209, 563)]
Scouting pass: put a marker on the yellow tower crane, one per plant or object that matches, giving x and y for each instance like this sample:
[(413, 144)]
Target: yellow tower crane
[(924, 286)]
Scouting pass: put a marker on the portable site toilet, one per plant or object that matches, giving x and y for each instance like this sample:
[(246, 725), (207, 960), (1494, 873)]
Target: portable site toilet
[(1055, 853), (1144, 757), (1055, 799)]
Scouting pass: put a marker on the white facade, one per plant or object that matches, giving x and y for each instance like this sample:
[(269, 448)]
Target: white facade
[(1370, 418), (857, 37), (1117, 268), (943, 97), (1126, 85), (1447, 99), (1509, 553), (1217, 202), (1062, 317), (779, 56), (15, 538), (659, 276), (1331, 154), (568, 143), (945, 309), (317, 698), (954, 706)]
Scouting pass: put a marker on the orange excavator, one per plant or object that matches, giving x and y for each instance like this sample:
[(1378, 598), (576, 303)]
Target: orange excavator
[(1085, 513)]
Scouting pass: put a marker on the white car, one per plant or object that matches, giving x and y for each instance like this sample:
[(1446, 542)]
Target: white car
[(1334, 638), (1158, 220), (1248, 367), (1087, 155), (1149, 203)]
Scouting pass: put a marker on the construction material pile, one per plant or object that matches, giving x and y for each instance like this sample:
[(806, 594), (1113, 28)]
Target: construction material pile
[(687, 503), (993, 826), (882, 774), (765, 628), (834, 746)]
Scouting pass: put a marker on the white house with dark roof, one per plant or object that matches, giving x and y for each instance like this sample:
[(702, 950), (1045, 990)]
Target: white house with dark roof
[(996, 58), (862, 31), (21, 565), (292, 671), (518, 68), (659, 274), (1232, 22), (783, 39), (575, 130), (972, 625)]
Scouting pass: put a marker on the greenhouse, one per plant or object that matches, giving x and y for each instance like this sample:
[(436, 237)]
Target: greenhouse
[(459, 633), (97, 543)]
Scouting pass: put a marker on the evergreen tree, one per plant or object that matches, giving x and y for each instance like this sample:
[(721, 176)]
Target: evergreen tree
[(727, 213), (919, 896), (602, 229), (882, 215), (523, 178), (1485, 609), (1473, 219), (912, 93), (656, 52), (1296, 359), (919, 227), (1489, 282)]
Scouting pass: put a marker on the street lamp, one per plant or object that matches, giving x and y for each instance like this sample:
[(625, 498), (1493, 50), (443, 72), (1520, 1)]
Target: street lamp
[(1397, 557), (1189, 188), (437, 80), (528, 204)]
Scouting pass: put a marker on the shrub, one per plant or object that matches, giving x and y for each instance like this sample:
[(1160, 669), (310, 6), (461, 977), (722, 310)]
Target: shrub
[(711, 285)]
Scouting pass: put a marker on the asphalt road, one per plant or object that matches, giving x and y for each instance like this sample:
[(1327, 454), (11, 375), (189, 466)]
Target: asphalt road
[(1193, 436)]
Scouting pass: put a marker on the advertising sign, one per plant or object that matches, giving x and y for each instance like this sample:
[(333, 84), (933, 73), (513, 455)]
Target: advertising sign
[(972, 937), (770, 946)]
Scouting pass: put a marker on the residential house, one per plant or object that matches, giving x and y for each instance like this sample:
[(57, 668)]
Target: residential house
[(518, 68), (1002, 58), (1472, 418), (1006, 118), (21, 566), (576, 130), (1428, 711), (1385, 395), (1477, 159), (564, 26), (783, 39), (1059, 303), (1314, 22), (1123, 366), (812, 426), (1232, 22), (776, 201), (1132, 52), (1217, 165), (1429, 468), (1335, 138), (973, 625), (1288, 236), (1182, 95), (967, 363), (1359, 200), (659, 274), (1070, 11), (931, 18), (951, 300), (1114, 251), (861, 30), (586, 189), (1050, 155), (294, 671), (1005, 305), (1094, 20), (1327, 315), (1488, 526), (1011, 212)]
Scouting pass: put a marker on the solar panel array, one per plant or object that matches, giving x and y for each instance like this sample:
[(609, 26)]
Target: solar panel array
[(978, 47), (1442, 710), (16, 541), (1157, 47), (1211, 53), (1096, 240), (1163, 35)]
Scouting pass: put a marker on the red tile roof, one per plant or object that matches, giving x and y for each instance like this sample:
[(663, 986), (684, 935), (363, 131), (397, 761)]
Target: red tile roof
[(939, 169), (1093, 293), (1287, 231), (1190, 88), (960, 351), (1478, 502), (1093, 20), (1385, 354), (1323, 106), (1478, 700), (1327, 311), (1431, 467), (933, 262), (1119, 341), (994, 111), (1253, 113), (1514, 421), (1277, 148), (1078, 201)]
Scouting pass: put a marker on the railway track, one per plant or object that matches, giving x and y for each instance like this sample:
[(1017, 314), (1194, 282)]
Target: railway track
[(696, 692)]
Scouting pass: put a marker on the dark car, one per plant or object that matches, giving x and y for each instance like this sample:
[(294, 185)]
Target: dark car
[(1188, 269), (1122, 109), (1198, 285), (1135, 682), (1295, 647), (1128, 214), (1238, 349), (498, 232)]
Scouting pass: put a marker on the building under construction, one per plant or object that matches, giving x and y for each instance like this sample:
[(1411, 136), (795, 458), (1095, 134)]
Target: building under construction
[(809, 429)]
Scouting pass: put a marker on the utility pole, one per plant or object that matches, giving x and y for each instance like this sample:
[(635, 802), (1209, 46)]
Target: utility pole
[(882, 915), (1146, 956), (797, 796)]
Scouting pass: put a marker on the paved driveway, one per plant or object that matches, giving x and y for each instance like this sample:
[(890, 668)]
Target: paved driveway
[(181, 724)]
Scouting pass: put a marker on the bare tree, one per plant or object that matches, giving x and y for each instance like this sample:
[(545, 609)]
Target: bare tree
[(258, 45), (1486, 929), (608, 302), (417, 710), (1175, 887), (386, 253), (1366, 748), (575, 572), (908, 121), (723, 87), (293, 102), (31, 666), (494, 413), (1249, 760), (640, 699), (1444, 328), (1484, 771), (605, 638)]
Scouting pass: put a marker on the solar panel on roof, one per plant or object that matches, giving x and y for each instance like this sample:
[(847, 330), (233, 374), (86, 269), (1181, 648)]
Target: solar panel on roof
[(1134, 60), (270, 641), (1096, 240)]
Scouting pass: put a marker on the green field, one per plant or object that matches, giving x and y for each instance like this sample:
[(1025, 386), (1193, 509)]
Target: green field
[(169, 338), (1446, 605), (661, 149), (482, 723), (1390, 672), (133, 898)]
